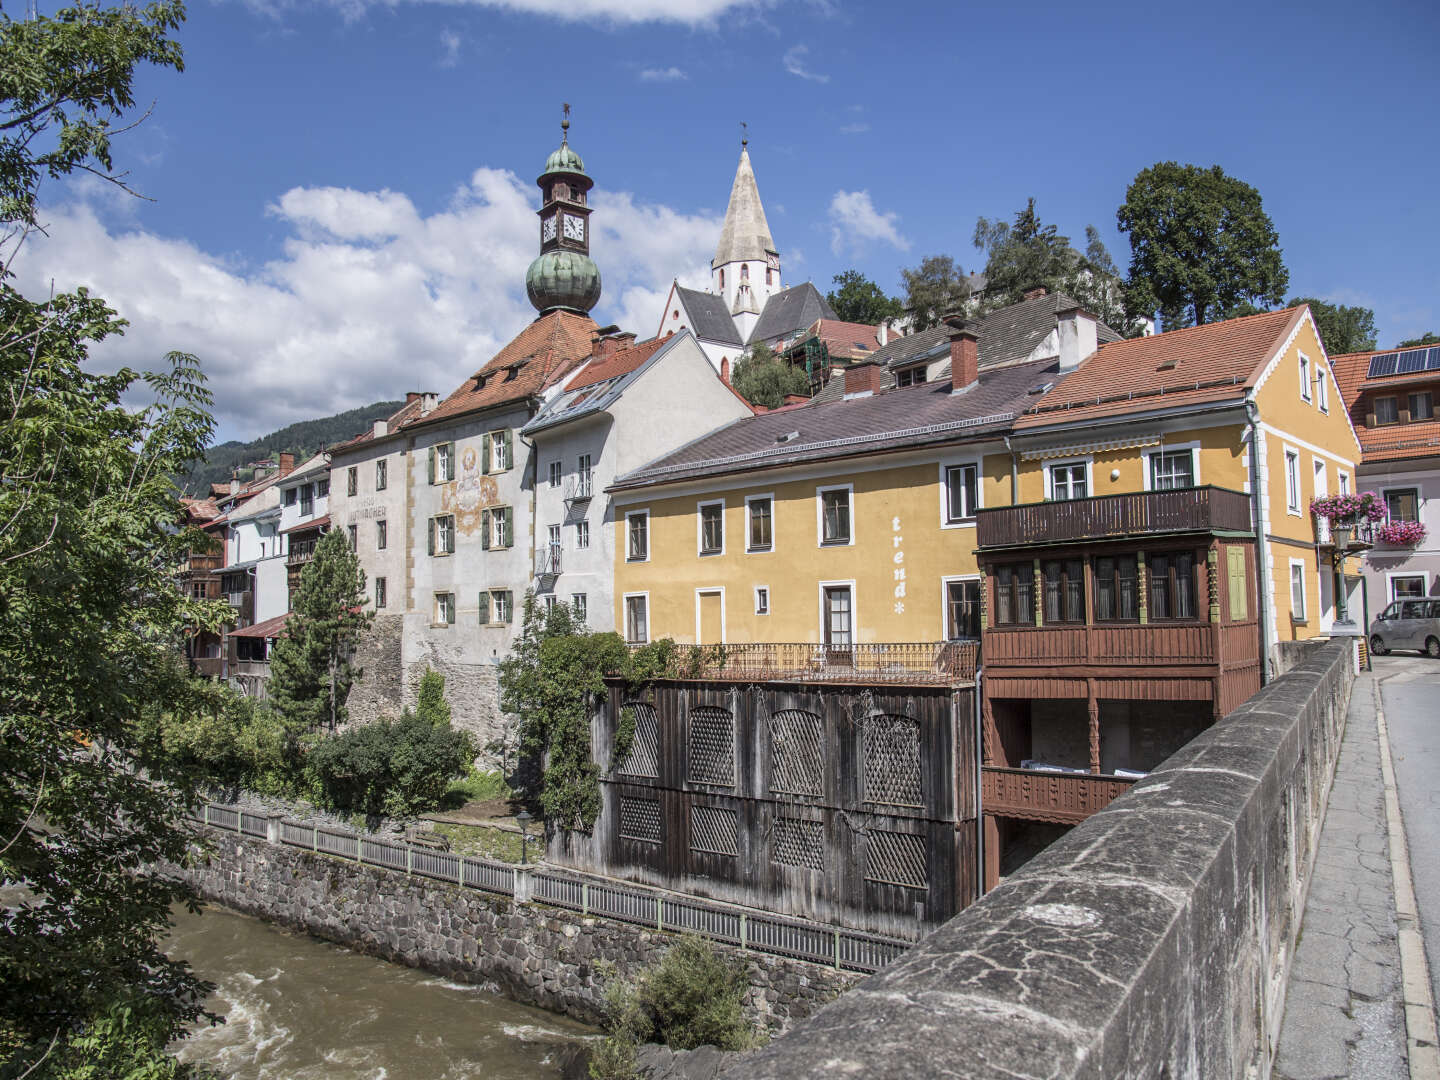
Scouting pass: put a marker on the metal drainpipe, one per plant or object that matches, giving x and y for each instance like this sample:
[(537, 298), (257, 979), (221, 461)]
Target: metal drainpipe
[(979, 777), (1258, 506), (534, 488), (1014, 474)]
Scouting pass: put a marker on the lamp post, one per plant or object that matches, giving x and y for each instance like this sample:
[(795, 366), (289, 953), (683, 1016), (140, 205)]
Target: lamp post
[(523, 819), (1340, 533)]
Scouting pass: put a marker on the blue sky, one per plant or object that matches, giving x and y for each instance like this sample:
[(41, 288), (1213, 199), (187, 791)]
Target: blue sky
[(344, 190)]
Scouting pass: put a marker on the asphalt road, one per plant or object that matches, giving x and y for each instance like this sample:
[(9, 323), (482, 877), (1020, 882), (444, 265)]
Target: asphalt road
[(1410, 693)]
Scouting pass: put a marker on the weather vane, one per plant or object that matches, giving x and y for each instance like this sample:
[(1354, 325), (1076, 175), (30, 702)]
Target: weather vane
[(744, 134), (565, 123)]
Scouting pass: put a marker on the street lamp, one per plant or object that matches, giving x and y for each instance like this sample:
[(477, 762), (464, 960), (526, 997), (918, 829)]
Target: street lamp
[(523, 819)]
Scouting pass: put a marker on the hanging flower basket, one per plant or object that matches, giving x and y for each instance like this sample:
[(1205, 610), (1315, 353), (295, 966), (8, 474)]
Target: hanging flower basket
[(1401, 533), (1366, 506)]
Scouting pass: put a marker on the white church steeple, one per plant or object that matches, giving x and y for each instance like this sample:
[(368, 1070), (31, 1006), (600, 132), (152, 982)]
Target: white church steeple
[(746, 268)]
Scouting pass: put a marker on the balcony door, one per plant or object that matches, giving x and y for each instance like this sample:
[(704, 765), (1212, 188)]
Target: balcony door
[(838, 612)]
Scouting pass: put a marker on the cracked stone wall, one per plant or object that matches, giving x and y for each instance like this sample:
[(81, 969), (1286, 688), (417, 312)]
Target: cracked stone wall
[(1152, 941), (379, 690), (539, 955)]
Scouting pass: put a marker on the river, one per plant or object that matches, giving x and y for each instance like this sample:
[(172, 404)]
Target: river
[(300, 1008)]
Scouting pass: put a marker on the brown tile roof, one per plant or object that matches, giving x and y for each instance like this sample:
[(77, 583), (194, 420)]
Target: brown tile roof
[(322, 522), (1200, 364), (267, 629), (1393, 442), (406, 414), (199, 511), (620, 362), (549, 348), (848, 340)]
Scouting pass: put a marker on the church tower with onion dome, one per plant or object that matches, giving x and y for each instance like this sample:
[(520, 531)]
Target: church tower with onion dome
[(563, 277)]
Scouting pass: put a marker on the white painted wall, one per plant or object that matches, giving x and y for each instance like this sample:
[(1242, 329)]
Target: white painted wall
[(1383, 562), (370, 505), (308, 475), (272, 592)]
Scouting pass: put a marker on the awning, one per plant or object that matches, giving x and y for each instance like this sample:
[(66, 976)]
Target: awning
[(1097, 447), (322, 522)]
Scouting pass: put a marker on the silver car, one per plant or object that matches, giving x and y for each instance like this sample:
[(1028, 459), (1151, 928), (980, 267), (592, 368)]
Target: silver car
[(1407, 624)]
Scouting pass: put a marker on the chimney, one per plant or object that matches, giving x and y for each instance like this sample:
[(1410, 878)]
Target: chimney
[(428, 403), (964, 357), (795, 399), (381, 429), (287, 464), (882, 333), (610, 341), (1035, 293), (1078, 337), (412, 397), (862, 380), (234, 484)]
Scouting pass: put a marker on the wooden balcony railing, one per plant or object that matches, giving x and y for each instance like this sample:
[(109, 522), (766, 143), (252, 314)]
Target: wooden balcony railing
[(1059, 798), (196, 563), (1197, 509), (944, 663), (209, 666), (1120, 644)]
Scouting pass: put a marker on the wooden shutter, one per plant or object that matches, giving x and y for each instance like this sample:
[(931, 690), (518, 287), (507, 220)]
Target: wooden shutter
[(509, 606), (450, 461), (430, 544), (484, 608), (432, 466), (1235, 584), (485, 453), (485, 528), (507, 527), (509, 451)]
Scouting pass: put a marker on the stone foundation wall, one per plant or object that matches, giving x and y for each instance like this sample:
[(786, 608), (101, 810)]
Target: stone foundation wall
[(379, 691), (543, 956)]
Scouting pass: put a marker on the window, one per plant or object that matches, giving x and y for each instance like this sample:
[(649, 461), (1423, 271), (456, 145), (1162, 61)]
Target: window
[(722, 279), (1322, 389), (1170, 469), (1304, 376), (761, 536), (582, 477), (1292, 481), (712, 528), (582, 535), (1068, 481), (382, 534), (1297, 590), (762, 600), (910, 376), (442, 535), (442, 463), (352, 481), (1387, 410), (1064, 590), (555, 470), (962, 610), (835, 515), (961, 494), (580, 604), (1408, 585), (1115, 592), (352, 535), (380, 475), (503, 606), (497, 528), (1015, 595), (1403, 504), (769, 276), (549, 604), (637, 529), (322, 488), (497, 445), (1421, 407), (838, 613), (637, 626), (379, 592), (290, 495), (307, 500), (444, 609), (1172, 585)]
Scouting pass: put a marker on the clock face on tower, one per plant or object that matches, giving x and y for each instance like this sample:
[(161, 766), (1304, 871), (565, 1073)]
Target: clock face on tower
[(574, 228), (547, 228)]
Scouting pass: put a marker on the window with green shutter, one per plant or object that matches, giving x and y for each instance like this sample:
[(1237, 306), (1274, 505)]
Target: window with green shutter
[(485, 516), (485, 455), (507, 523), (430, 538), (504, 606), (484, 608), (1237, 587)]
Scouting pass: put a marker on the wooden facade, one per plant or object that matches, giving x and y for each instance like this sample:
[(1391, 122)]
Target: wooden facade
[(1157, 624), (846, 804)]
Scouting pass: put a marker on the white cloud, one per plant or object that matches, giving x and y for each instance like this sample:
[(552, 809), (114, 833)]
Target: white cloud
[(368, 298), (449, 48), (854, 223), (854, 129), (669, 74), (685, 12), (794, 61)]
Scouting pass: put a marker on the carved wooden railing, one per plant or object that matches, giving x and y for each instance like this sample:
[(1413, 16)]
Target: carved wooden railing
[(1197, 509), (921, 662), (1057, 797)]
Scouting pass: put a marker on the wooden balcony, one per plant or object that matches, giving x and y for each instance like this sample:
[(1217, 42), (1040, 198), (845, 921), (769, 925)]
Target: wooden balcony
[(1140, 513), (198, 563), (1125, 644), (1058, 798), (209, 666), (945, 663)]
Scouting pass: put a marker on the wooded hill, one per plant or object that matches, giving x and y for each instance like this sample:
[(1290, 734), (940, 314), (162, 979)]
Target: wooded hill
[(302, 440)]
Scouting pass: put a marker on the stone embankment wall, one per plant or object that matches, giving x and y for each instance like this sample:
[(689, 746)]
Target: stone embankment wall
[(539, 955), (1154, 940)]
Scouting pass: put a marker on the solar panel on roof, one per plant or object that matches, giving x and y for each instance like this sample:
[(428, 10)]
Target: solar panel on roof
[(1411, 361), (1382, 365), (1433, 364)]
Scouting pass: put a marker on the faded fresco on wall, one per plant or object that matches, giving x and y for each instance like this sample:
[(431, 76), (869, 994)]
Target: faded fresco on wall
[(469, 494)]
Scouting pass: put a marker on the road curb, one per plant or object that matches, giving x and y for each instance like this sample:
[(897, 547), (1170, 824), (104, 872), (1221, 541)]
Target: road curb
[(1422, 1047)]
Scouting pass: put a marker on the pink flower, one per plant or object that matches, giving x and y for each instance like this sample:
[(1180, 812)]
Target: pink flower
[(1401, 533)]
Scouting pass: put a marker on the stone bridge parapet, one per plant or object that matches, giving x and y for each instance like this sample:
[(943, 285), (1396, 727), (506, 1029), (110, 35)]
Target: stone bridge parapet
[(1153, 940)]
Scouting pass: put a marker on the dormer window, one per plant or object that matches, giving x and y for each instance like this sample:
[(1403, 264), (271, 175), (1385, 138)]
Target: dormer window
[(722, 279)]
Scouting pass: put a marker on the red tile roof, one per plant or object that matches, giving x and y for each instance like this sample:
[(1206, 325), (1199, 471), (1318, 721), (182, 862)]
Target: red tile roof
[(848, 340), (1214, 362), (1393, 442), (314, 523), (620, 362)]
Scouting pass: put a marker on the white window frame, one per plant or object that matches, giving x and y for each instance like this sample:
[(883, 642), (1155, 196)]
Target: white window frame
[(625, 540), (1304, 613), (1050, 466), (946, 464), (382, 475), (700, 528), (444, 462), (584, 473), (381, 594), (555, 473), (820, 490), (580, 605), (748, 500), (945, 583), (382, 534), (820, 587), (494, 612), (1148, 464), (437, 613), (352, 481), (497, 447), (762, 599), (711, 590), (1305, 392), (1322, 389), (1398, 575), (582, 535), (1410, 404), (625, 617), (1293, 481)]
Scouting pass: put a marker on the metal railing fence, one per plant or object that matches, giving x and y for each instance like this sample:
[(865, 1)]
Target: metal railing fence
[(834, 946)]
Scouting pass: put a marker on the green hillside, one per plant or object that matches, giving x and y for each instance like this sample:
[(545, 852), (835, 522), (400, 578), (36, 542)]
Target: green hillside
[(302, 440)]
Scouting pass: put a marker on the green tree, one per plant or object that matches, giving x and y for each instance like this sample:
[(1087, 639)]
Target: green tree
[(1427, 338), (311, 670), (934, 289), (857, 299), (1022, 256), (1201, 245), (1342, 329), (762, 378)]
